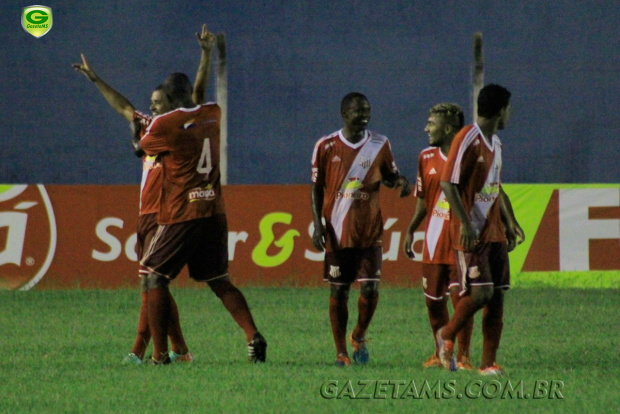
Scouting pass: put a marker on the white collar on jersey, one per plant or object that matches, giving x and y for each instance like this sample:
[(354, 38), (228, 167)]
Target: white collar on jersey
[(356, 145), (490, 145)]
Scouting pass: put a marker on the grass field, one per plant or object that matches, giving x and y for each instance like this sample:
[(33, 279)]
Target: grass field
[(62, 352)]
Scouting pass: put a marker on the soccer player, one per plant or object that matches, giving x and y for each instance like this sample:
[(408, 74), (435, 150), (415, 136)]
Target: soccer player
[(438, 263), (192, 221), (482, 228), (150, 189), (348, 167)]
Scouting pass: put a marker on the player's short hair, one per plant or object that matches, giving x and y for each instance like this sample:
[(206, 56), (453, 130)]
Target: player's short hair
[(492, 99), (161, 89), (350, 97), (177, 86), (451, 113)]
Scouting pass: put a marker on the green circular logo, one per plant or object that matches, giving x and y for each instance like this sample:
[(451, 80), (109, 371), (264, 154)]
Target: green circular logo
[(37, 16)]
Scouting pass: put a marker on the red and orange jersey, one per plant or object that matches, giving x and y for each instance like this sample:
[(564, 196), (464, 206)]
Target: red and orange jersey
[(474, 165), (150, 185), (351, 176), (437, 245), (187, 141)]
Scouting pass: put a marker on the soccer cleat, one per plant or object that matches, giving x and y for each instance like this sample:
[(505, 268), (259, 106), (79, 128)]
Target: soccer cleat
[(165, 361), (174, 357), (257, 349), (464, 364), (432, 361), (446, 351), (493, 370), (360, 351), (342, 360), (132, 359)]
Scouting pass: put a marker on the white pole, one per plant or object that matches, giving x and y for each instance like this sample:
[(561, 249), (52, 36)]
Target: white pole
[(222, 101), (478, 72)]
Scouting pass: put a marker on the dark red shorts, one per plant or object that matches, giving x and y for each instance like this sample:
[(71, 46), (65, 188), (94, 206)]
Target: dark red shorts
[(487, 266), (202, 244), (147, 227), (345, 266), (438, 279)]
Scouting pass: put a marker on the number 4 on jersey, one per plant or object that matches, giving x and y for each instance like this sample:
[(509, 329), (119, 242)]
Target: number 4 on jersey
[(204, 163)]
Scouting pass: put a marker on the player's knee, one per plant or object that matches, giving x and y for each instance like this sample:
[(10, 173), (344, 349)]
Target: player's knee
[(220, 286), (340, 292), (154, 281), (144, 285), (369, 290), (433, 304), (482, 294)]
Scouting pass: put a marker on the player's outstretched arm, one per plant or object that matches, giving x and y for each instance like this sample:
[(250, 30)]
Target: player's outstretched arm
[(416, 220), (114, 98), (206, 40), (396, 182), (318, 237)]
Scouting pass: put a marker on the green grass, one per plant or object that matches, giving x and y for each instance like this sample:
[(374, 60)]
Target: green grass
[(62, 353)]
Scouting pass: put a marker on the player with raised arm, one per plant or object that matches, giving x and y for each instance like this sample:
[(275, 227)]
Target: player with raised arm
[(192, 225), (439, 272), (482, 228), (348, 167), (150, 188)]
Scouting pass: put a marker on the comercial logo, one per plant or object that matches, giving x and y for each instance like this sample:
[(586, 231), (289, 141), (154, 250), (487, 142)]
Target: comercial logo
[(351, 189), (201, 194), (37, 20), (28, 234)]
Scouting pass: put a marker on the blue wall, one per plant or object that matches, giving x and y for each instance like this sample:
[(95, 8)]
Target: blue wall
[(290, 63)]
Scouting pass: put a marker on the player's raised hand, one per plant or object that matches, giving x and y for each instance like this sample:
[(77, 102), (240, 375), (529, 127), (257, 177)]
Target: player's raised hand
[(206, 39), (85, 68)]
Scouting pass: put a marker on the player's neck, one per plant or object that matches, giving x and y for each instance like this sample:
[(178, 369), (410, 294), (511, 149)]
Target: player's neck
[(488, 127), (353, 136)]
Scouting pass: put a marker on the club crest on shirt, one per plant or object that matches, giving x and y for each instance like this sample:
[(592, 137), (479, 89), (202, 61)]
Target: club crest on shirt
[(364, 162), (334, 271)]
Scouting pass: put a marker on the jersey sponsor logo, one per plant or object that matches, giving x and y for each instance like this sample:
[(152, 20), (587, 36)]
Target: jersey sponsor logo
[(28, 227), (480, 159), (37, 20), (334, 271), (315, 174), (336, 159), (201, 194), (352, 190), (442, 209), (433, 171)]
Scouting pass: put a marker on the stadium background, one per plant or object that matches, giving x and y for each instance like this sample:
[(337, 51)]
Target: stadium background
[(289, 64)]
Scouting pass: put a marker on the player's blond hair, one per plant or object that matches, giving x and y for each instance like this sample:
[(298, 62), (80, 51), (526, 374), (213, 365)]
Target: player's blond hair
[(451, 113)]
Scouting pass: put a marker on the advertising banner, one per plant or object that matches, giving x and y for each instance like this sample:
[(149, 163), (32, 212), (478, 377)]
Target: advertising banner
[(84, 236)]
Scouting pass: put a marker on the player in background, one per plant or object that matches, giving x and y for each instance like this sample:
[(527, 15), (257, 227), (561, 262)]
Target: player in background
[(482, 228), (150, 188), (192, 225), (348, 167), (440, 277)]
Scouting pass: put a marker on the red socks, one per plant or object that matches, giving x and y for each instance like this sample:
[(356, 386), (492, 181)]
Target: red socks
[(159, 309), (366, 309), (338, 316)]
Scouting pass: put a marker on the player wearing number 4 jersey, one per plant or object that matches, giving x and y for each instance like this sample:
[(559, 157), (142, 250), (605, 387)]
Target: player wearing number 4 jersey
[(348, 167), (192, 222), (150, 189), (438, 264), (483, 228)]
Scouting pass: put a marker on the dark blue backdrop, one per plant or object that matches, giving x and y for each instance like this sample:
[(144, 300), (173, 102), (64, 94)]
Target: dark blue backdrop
[(290, 63)]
